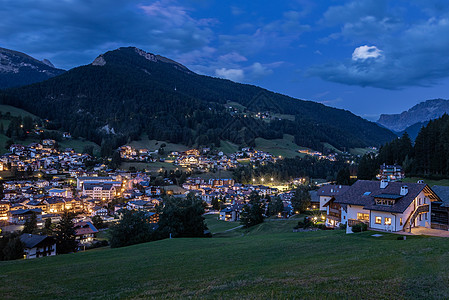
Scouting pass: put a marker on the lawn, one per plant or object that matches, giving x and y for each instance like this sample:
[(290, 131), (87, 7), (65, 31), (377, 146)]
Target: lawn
[(15, 112), (285, 147), (430, 182), (78, 145), (145, 143), (259, 264), (217, 226)]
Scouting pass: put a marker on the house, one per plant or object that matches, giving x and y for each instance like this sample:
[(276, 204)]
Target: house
[(38, 245), (327, 192), (390, 173), (20, 216), (314, 199), (390, 206), (85, 232), (440, 209), (4, 210), (99, 211), (231, 213), (64, 193)]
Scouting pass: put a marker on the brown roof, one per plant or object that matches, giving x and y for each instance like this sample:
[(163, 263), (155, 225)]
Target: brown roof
[(332, 190), (364, 192)]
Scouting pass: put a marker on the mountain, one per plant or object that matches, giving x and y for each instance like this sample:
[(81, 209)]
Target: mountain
[(413, 130), (422, 112), (17, 69), (128, 92)]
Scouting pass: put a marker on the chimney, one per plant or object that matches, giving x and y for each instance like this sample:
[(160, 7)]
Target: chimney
[(404, 190), (383, 183)]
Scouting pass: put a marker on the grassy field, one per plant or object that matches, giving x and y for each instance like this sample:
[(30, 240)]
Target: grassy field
[(150, 167), (15, 112), (217, 226), (78, 145), (430, 182), (285, 147), (145, 143), (228, 147), (263, 263)]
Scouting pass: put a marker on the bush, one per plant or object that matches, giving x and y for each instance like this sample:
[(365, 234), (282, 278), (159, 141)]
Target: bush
[(359, 227), (343, 226)]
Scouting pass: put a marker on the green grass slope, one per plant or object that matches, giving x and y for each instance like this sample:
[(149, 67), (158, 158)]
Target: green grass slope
[(311, 265)]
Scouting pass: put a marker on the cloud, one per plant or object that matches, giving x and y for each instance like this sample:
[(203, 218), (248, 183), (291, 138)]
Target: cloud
[(258, 70), (69, 33), (366, 52), (414, 50), (231, 74)]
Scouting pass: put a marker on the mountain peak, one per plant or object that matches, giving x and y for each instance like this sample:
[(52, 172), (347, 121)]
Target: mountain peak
[(17, 68), (122, 55), (421, 112)]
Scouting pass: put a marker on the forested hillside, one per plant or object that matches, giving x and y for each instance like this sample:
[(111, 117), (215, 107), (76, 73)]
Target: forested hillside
[(429, 156), (128, 92)]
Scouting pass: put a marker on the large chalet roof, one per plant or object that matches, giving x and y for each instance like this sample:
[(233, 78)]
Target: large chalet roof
[(82, 228), (364, 193), (32, 240), (332, 190), (443, 194)]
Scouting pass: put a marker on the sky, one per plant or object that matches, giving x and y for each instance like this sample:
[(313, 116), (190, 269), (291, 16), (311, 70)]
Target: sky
[(367, 56)]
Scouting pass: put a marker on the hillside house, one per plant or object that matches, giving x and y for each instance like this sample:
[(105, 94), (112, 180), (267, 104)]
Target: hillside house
[(85, 232), (390, 206), (38, 245)]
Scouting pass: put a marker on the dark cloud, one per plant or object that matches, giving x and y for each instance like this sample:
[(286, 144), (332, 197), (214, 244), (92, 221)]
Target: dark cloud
[(73, 31), (411, 53)]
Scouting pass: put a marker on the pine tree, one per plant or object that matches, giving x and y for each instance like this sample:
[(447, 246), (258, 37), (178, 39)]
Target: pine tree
[(65, 234)]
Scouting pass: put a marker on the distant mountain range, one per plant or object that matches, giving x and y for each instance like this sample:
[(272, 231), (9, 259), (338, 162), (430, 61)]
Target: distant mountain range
[(417, 116), (128, 92), (17, 69)]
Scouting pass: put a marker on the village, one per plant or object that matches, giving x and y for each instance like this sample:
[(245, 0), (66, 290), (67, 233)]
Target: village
[(46, 182), (59, 181)]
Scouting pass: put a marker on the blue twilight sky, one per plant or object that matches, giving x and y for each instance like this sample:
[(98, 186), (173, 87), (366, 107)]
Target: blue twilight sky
[(367, 56)]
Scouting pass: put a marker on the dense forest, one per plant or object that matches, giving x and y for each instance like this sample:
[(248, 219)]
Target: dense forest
[(428, 157), (130, 92), (289, 168)]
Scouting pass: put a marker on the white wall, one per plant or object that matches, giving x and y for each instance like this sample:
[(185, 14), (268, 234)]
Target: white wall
[(353, 210), (323, 200)]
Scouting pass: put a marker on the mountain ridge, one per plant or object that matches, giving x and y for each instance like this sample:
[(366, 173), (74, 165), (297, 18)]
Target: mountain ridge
[(419, 113), (18, 69), (135, 92)]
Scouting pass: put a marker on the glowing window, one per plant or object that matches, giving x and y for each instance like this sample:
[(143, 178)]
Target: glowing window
[(387, 221), (378, 220)]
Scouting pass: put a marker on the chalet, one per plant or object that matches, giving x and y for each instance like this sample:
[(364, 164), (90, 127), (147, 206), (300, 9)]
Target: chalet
[(328, 192), (390, 206), (64, 193), (231, 213), (38, 245), (99, 211), (85, 232), (440, 209), (20, 216), (390, 173)]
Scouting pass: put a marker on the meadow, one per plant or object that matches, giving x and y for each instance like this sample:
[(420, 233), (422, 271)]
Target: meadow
[(267, 261)]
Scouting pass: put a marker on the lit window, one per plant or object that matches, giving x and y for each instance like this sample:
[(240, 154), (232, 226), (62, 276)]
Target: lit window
[(362, 217), (400, 221), (378, 220), (387, 221)]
